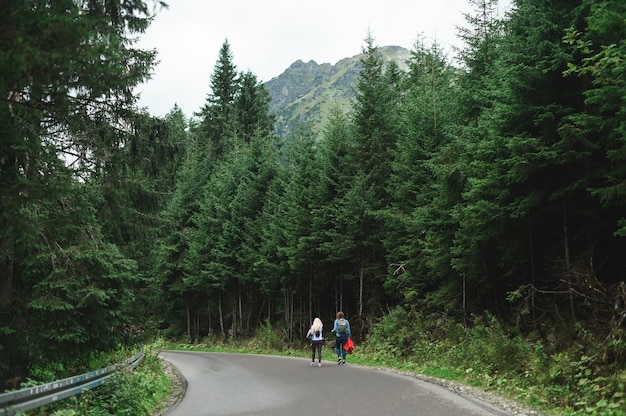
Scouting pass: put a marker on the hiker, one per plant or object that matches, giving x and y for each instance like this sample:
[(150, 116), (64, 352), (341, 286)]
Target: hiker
[(316, 335), (341, 329)]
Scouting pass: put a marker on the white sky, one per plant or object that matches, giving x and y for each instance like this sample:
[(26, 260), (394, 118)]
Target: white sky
[(267, 36)]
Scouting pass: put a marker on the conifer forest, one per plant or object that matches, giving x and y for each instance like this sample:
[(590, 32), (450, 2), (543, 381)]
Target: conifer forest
[(492, 182)]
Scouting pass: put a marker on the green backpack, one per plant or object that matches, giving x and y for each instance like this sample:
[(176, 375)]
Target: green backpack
[(342, 326)]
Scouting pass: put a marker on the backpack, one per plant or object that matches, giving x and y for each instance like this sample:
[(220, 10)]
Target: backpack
[(342, 326)]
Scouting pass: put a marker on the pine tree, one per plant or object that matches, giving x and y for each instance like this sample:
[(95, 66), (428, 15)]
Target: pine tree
[(294, 225), (421, 184), (337, 172), (373, 117), (218, 249), (601, 48), (67, 74), (218, 114), (527, 169), (252, 106)]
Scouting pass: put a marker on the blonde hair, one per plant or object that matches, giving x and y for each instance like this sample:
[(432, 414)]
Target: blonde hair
[(317, 325)]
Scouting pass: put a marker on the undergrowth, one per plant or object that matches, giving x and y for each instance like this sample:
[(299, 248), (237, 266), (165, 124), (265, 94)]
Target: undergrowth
[(564, 383), (141, 391)]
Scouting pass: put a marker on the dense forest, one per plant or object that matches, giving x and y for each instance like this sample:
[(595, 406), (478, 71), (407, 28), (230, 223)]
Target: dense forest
[(492, 183)]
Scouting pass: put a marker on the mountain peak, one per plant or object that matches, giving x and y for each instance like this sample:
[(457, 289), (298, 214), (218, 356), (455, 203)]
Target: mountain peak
[(300, 63), (305, 92)]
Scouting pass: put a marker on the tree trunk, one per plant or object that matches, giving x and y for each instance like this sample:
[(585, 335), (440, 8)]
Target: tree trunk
[(567, 261), (532, 278), (310, 297), (197, 326), (286, 301), (361, 284), (219, 306), (188, 321), (291, 316), (240, 310), (249, 313), (6, 272), (336, 297), (233, 322), (565, 239), (340, 294), (288, 296), (210, 325)]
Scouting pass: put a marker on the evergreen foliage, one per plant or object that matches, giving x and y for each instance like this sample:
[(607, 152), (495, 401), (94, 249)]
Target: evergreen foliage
[(491, 188), (68, 70), (218, 114)]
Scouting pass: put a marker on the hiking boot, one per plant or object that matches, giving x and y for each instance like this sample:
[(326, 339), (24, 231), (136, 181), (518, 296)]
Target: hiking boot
[(339, 361), (312, 364)]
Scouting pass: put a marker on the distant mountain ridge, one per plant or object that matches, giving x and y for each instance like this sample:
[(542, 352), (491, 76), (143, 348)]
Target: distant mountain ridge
[(306, 92)]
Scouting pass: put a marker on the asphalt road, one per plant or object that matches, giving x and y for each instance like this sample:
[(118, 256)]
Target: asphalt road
[(236, 384)]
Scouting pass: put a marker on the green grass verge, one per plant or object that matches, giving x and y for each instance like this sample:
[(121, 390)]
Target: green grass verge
[(142, 391), (562, 383)]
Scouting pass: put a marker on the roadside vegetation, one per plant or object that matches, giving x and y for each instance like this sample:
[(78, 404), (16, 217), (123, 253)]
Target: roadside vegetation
[(483, 355), (142, 391), (564, 383)]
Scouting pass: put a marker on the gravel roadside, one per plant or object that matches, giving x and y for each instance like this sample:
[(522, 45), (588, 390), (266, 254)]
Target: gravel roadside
[(178, 385), (508, 405)]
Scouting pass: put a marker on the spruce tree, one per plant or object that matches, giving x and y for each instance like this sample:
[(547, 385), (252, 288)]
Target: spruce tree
[(252, 107), (218, 115), (421, 185), (374, 119), (373, 110), (598, 55), (337, 171), (67, 102)]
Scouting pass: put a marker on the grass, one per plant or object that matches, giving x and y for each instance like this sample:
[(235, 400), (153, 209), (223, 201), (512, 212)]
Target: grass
[(558, 383), (142, 391), (565, 383)]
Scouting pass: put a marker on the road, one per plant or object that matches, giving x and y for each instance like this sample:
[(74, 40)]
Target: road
[(237, 384)]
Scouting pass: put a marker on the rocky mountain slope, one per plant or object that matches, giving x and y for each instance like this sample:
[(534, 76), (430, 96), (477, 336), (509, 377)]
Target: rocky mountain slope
[(306, 92)]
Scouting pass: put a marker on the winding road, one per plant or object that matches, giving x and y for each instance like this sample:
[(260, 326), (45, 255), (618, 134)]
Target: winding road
[(242, 384)]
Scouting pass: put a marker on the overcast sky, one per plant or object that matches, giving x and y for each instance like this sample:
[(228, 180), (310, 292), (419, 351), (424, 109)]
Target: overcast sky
[(267, 36)]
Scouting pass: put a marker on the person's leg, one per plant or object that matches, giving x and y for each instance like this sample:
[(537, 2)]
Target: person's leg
[(318, 348), (344, 340), (338, 348), (312, 353)]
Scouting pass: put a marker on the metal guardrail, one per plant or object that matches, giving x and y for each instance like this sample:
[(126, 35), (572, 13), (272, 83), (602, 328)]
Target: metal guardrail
[(37, 396)]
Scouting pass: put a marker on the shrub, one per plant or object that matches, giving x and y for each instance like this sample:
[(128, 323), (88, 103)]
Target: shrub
[(135, 392), (267, 339)]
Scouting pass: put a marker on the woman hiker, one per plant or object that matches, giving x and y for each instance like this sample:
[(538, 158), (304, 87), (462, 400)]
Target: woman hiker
[(341, 329), (316, 335)]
